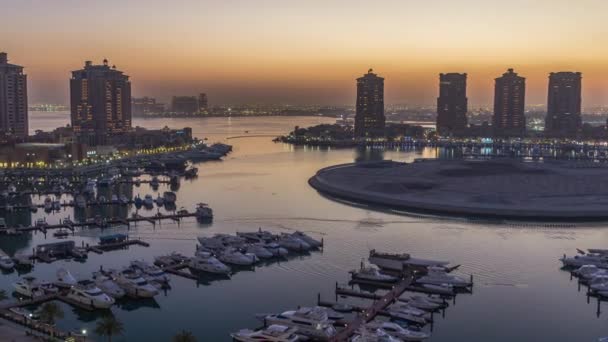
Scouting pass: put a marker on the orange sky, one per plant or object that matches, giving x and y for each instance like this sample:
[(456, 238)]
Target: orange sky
[(308, 51)]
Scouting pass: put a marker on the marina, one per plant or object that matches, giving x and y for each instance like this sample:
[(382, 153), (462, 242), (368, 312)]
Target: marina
[(263, 184)]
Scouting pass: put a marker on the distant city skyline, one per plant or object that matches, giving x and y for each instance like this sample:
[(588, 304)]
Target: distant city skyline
[(308, 52)]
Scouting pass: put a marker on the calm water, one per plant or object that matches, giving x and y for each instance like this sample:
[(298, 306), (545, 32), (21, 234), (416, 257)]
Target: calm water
[(520, 292)]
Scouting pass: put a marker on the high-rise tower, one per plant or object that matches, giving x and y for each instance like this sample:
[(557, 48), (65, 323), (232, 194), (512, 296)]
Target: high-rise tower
[(100, 102), (369, 119), (13, 99), (564, 105), (452, 104), (509, 98)]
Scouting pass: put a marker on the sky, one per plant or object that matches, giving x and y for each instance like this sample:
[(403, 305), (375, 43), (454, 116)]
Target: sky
[(308, 51)]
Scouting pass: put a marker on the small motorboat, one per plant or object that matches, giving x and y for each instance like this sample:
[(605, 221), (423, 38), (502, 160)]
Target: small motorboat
[(65, 278), (274, 333), (204, 262), (87, 292), (6, 263), (397, 331), (28, 287), (61, 233), (372, 273), (107, 285), (234, 257)]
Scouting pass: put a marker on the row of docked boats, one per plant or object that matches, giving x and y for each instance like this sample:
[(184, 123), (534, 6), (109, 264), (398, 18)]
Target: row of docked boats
[(138, 280), (219, 253), (591, 267)]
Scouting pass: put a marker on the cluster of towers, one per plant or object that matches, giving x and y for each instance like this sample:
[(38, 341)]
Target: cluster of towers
[(100, 99), (563, 118)]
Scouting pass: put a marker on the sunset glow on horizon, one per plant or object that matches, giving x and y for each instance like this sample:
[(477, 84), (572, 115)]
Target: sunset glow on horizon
[(273, 51)]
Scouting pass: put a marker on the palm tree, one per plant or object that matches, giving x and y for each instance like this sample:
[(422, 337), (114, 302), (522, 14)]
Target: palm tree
[(50, 312), (109, 326), (184, 336)]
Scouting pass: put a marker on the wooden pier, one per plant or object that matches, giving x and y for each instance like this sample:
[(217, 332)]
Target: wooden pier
[(109, 222), (377, 307)]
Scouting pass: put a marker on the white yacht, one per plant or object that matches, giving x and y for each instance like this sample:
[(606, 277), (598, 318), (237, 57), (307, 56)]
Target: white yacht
[(372, 273), (234, 257), (406, 308), (589, 271), (370, 335), (151, 272), (408, 317), (6, 263), (87, 292), (107, 285), (259, 251), (597, 259), (438, 276), (65, 278), (276, 249), (293, 243), (274, 333), (114, 199), (398, 261), (257, 236), (28, 287), (311, 323), (207, 263), (310, 241), (397, 331), (134, 285), (48, 287), (421, 303)]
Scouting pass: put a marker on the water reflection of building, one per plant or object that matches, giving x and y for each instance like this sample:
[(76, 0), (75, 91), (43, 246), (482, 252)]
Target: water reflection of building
[(13, 243), (107, 211)]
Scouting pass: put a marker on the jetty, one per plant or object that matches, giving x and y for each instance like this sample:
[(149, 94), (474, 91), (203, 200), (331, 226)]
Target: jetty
[(100, 223)]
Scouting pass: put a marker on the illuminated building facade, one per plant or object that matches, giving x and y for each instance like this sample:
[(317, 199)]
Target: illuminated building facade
[(100, 103), (13, 99), (564, 105), (452, 104), (369, 118), (509, 98)]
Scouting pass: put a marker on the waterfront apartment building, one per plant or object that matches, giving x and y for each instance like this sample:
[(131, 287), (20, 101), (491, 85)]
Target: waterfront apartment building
[(452, 104), (13, 99), (146, 106), (100, 103), (563, 118), (509, 98), (184, 105), (203, 103), (369, 118)]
